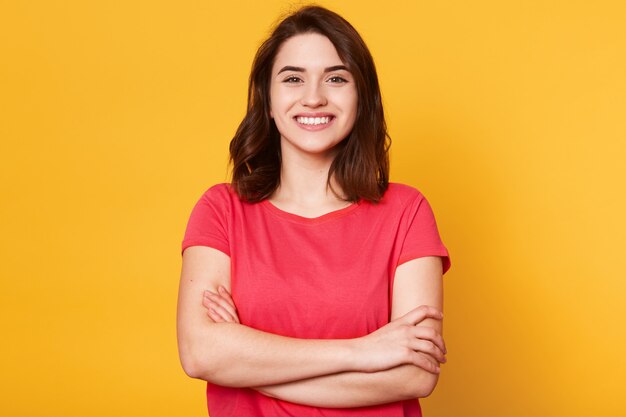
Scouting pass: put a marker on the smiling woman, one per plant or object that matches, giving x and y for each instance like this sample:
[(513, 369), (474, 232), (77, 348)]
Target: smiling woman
[(311, 285)]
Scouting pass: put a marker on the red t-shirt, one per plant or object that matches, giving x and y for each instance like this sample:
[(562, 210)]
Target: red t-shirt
[(329, 277)]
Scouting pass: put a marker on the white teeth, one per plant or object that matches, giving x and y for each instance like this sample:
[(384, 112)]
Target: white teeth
[(312, 120)]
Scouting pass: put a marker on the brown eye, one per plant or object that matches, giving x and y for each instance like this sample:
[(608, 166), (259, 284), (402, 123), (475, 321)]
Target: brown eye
[(337, 79), (292, 79)]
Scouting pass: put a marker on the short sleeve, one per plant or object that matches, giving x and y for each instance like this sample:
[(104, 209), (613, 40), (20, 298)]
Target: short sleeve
[(208, 222), (422, 236)]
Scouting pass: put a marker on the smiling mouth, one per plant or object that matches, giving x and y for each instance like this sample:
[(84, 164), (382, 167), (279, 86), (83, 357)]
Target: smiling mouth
[(314, 121)]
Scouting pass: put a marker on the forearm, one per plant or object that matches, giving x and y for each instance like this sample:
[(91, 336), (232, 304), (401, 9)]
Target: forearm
[(356, 389), (231, 354), (234, 355)]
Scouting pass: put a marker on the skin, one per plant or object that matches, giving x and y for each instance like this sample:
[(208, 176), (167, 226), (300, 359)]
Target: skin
[(396, 362), (308, 78), (307, 155)]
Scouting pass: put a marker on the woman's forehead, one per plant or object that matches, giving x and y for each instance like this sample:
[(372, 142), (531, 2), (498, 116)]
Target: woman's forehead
[(310, 51)]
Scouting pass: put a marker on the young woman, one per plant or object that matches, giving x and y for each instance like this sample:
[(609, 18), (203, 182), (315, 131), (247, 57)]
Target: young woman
[(310, 285)]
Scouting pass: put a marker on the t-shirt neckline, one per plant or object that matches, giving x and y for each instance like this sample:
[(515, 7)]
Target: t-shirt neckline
[(310, 220)]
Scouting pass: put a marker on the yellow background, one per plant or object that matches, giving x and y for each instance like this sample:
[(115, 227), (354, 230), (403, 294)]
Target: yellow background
[(509, 116)]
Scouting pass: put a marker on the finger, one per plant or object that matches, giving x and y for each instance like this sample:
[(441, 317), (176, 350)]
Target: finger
[(212, 305), (428, 333), (218, 299), (426, 363), (434, 361), (213, 315), (428, 347), (420, 313), (216, 318), (224, 293), (429, 358), (221, 311)]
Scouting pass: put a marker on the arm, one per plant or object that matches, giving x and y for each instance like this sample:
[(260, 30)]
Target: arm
[(420, 281), (231, 354), (416, 282), (354, 389)]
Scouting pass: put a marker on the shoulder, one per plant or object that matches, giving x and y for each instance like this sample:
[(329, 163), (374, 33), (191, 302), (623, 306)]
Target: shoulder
[(218, 199), (219, 194), (221, 190), (402, 194)]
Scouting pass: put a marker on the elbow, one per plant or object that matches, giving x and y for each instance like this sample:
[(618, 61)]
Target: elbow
[(425, 390), (422, 385), (193, 364), (191, 367), (189, 363), (202, 365)]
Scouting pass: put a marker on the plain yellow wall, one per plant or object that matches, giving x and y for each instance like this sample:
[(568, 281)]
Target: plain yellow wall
[(509, 116)]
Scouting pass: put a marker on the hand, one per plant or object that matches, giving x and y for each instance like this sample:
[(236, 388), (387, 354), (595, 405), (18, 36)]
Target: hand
[(221, 307), (402, 341)]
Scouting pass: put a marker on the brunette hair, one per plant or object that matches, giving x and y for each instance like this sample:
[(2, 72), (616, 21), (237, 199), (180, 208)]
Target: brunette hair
[(361, 166)]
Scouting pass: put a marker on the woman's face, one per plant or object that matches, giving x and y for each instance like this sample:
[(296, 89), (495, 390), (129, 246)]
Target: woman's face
[(313, 98)]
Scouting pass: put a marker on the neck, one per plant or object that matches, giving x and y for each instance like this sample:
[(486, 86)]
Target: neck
[(303, 181)]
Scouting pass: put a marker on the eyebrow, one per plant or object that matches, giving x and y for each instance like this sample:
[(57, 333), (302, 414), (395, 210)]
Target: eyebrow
[(300, 69)]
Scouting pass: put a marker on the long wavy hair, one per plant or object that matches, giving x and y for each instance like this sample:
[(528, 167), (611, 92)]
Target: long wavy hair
[(361, 166)]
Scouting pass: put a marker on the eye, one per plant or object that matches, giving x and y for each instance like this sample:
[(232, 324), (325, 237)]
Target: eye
[(292, 79), (337, 79)]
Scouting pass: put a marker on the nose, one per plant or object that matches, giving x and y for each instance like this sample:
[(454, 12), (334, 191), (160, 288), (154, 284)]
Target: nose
[(313, 96)]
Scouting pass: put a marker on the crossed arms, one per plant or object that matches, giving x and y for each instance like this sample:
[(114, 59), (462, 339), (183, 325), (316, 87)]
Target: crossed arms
[(399, 361)]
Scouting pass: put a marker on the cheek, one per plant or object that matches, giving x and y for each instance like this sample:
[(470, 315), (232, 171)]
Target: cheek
[(348, 100), (350, 105), (274, 102), (278, 105)]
